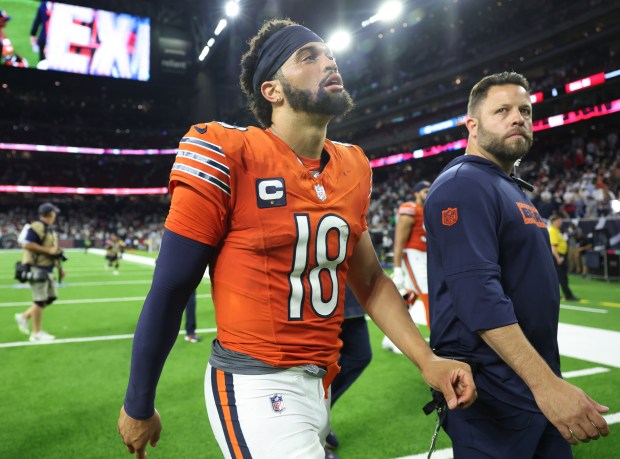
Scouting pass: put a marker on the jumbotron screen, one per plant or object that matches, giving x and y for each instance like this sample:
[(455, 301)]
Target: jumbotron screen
[(76, 39)]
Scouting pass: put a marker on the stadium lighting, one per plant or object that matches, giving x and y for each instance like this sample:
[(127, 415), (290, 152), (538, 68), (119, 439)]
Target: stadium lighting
[(610, 75), (232, 8), (339, 41), (204, 53), (220, 26), (388, 12), (211, 42)]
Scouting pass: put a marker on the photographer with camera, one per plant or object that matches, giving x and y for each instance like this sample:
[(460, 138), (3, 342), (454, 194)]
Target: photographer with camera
[(41, 254)]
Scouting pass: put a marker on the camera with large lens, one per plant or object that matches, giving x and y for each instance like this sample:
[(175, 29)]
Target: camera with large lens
[(24, 274)]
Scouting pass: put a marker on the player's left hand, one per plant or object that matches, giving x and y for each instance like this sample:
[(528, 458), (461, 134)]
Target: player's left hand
[(137, 433), (453, 379)]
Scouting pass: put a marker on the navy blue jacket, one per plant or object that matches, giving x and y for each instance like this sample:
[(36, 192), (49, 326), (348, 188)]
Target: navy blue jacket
[(489, 265)]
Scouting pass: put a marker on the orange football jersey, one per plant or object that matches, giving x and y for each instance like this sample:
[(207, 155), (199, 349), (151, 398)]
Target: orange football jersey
[(283, 236), (417, 236)]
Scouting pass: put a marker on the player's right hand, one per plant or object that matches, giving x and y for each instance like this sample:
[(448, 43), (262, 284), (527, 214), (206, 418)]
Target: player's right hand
[(137, 433), (453, 379), (397, 278)]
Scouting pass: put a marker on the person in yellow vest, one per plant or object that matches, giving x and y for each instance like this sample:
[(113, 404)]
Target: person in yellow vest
[(41, 254), (559, 248)]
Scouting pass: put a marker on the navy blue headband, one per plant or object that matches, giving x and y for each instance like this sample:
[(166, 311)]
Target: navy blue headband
[(277, 49)]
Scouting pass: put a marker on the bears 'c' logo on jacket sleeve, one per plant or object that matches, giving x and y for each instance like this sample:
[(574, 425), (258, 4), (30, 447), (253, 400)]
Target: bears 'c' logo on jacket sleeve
[(270, 192), (449, 216)]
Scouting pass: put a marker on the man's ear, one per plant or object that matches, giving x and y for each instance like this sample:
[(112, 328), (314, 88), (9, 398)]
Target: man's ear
[(472, 126), (272, 91)]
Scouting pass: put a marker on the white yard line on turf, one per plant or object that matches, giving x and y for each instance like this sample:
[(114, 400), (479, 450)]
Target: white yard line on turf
[(90, 339), (148, 261), (140, 259), (591, 344), (83, 284), (613, 418), (93, 300), (583, 309), (584, 372)]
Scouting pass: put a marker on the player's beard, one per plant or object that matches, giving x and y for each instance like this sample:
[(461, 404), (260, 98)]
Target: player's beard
[(505, 150), (319, 103)]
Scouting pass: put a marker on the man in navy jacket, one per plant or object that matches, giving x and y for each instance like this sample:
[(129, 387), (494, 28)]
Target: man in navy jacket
[(493, 290)]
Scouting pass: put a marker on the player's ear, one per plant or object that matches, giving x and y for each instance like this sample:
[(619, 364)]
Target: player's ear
[(272, 91)]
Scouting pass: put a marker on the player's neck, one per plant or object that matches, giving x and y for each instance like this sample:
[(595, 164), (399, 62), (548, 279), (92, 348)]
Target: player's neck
[(303, 133)]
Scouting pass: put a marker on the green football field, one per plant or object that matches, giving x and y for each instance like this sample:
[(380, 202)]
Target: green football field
[(61, 400), (22, 14)]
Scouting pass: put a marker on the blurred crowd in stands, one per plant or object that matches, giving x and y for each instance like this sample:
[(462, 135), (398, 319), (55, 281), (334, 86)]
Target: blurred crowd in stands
[(137, 220), (576, 174)]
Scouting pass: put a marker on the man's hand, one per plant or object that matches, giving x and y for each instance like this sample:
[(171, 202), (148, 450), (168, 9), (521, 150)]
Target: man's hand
[(136, 433), (572, 412), (453, 379)]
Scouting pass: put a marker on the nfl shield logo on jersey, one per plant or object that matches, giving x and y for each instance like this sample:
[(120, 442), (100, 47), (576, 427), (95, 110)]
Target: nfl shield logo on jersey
[(320, 192), (277, 403), (449, 216)]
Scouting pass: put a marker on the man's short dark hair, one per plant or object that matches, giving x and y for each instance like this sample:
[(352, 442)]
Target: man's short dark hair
[(481, 89), (258, 105)]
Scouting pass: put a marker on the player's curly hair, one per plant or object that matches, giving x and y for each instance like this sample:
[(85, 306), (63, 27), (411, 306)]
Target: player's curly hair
[(480, 90), (258, 105)]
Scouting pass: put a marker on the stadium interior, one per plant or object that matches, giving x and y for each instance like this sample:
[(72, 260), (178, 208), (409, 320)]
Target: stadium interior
[(101, 147)]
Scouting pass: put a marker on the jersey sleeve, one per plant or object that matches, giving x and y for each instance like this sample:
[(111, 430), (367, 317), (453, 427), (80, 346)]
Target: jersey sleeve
[(462, 220), (200, 185), (407, 208)]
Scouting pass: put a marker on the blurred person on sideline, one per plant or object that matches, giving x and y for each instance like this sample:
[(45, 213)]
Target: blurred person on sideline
[(494, 293), (190, 319), (4, 18), (8, 56), (355, 356), (559, 248), (409, 273), (39, 27), (586, 244), (279, 216), (114, 249), (575, 235), (41, 254)]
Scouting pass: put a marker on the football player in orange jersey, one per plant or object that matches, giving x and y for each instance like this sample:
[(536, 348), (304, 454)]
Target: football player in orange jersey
[(409, 274), (279, 216)]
